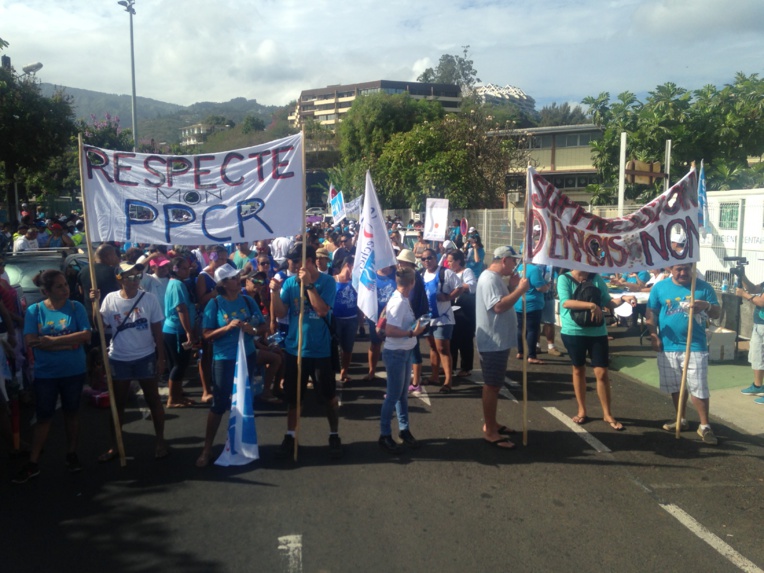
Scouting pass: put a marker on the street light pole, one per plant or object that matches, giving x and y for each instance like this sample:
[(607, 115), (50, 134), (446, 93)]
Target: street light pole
[(128, 5)]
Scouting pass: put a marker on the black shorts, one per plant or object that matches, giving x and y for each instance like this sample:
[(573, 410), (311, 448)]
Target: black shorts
[(579, 346), (320, 369)]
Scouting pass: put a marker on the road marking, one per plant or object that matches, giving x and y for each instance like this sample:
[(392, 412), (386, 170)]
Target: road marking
[(583, 434), (722, 548), (290, 547), (422, 395)]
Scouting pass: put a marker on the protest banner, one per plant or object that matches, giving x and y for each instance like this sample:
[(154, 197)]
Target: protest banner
[(337, 203), (704, 220), (436, 219), (241, 442), (235, 196), (354, 207), (374, 251), (572, 238)]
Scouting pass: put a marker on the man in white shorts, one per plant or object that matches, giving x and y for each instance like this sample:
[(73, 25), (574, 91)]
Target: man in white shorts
[(668, 309)]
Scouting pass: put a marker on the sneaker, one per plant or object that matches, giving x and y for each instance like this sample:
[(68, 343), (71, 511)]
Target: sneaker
[(408, 439), (707, 435), (29, 471), (759, 400), (286, 449), (553, 352), (415, 390), (73, 463), (671, 426), (753, 390), (388, 444), (335, 447)]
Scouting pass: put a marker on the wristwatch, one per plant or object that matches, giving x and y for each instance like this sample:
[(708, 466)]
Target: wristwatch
[(310, 286)]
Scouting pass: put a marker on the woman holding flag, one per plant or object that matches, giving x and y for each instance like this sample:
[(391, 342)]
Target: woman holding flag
[(224, 317)]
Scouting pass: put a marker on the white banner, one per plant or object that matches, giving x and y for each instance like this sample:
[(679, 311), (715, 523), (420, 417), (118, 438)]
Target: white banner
[(436, 220), (354, 207), (374, 251), (572, 238), (234, 196), (337, 203), (241, 443)]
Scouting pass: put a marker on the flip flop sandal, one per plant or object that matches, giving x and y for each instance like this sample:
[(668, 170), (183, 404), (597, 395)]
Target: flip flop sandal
[(108, 456), (497, 443), (505, 431)]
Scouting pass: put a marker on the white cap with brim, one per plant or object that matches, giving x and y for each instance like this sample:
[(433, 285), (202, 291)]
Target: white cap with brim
[(679, 237), (226, 272), (505, 253), (407, 256), (126, 268)]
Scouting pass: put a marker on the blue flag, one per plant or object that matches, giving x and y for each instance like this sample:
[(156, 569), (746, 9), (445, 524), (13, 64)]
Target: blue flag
[(703, 218)]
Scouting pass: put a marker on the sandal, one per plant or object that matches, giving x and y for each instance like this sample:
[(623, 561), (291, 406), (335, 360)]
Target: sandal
[(580, 420), (445, 389), (535, 361), (505, 431), (108, 456)]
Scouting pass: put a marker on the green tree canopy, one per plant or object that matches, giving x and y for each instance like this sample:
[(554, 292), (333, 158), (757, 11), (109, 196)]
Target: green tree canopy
[(563, 114), (452, 69)]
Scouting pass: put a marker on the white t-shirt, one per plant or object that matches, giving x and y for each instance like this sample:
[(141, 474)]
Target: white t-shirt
[(280, 247), (24, 244), (451, 280), (156, 286), (399, 314), (494, 331), (468, 278), (136, 340)]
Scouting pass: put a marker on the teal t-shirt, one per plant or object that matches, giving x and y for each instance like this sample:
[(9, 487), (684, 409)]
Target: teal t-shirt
[(534, 300), (566, 286), (666, 298), (219, 312), (177, 294), (70, 318), (316, 340)]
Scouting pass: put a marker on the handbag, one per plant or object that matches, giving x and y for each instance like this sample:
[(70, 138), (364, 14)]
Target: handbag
[(334, 343)]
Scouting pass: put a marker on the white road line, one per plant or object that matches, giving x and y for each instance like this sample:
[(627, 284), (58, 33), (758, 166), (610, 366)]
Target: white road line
[(290, 547), (583, 434), (422, 395), (722, 548)]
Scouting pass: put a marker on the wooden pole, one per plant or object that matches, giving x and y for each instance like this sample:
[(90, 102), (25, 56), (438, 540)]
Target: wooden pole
[(528, 246), (302, 304), (682, 388), (98, 318)]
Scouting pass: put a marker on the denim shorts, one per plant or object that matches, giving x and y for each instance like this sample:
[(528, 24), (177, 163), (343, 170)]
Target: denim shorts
[(47, 390), (547, 315), (346, 331), (222, 382), (141, 369), (442, 331), (578, 346)]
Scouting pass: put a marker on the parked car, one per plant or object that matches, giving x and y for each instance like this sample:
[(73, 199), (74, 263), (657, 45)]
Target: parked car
[(23, 267), (314, 211)]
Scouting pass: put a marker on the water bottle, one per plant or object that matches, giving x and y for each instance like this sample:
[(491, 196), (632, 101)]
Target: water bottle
[(275, 339), (258, 382), (725, 285)]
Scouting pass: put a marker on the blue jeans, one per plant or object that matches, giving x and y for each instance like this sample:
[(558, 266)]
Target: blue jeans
[(398, 367), (532, 332)]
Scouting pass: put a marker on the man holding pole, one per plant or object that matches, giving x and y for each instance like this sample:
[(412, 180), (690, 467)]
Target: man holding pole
[(668, 320), (320, 291), (496, 335)]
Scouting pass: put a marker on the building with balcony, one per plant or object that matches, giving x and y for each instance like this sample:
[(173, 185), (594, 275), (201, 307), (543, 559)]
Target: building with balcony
[(498, 95), (327, 105)]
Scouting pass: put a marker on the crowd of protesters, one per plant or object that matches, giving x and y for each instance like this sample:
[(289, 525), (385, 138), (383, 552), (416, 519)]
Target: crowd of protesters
[(164, 307)]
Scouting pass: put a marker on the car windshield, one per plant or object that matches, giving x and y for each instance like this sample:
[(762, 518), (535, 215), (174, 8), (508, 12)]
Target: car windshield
[(22, 270)]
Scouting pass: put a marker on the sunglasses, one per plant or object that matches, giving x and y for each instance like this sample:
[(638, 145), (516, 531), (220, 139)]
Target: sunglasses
[(426, 259), (257, 281), (263, 263), (134, 278)]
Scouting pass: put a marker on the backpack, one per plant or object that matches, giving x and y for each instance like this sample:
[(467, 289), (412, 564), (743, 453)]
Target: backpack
[(586, 291)]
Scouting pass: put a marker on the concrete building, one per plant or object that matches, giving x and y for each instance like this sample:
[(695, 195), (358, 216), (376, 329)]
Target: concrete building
[(494, 94), (327, 105)]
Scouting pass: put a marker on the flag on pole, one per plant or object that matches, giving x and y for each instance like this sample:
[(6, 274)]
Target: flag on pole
[(374, 251), (704, 221), (337, 203), (241, 443)]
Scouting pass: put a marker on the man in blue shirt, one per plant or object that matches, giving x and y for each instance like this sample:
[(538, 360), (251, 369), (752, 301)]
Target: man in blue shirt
[(320, 292), (668, 309)]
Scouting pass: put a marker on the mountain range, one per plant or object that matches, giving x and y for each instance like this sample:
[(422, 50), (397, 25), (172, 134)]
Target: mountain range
[(157, 120)]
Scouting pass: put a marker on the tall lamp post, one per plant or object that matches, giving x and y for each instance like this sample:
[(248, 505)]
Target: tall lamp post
[(128, 5)]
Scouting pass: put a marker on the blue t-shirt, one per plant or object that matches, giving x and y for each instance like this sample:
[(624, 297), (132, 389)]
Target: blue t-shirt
[(534, 300), (70, 318), (642, 276), (469, 261), (177, 294), (566, 286), (346, 301), (219, 312), (385, 289), (316, 340), (666, 298)]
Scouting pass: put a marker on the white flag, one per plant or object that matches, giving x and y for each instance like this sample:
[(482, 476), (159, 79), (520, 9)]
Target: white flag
[(373, 251), (337, 203), (436, 220), (241, 443)]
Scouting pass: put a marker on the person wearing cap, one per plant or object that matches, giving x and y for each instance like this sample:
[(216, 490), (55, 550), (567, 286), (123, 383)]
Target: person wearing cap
[(581, 341), (322, 260), (77, 231), (226, 315), (420, 306), (442, 287), (58, 238), (496, 335), (156, 283), (320, 292), (136, 350), (180, 331), (668, 317), (446, 248), (346, 314), (475, 253)]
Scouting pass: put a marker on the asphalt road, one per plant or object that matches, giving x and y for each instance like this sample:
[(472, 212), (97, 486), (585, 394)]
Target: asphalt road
[(637, 500)]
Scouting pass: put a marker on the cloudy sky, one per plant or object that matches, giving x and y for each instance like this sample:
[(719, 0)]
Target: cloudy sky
[(555, 50)]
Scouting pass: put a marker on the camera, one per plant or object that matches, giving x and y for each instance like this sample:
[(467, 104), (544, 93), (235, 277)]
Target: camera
[(739, 269)]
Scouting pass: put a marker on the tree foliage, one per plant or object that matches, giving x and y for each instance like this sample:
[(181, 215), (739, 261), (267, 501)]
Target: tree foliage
[(252, 123), (453, 69), (563, 114), (722, 126)]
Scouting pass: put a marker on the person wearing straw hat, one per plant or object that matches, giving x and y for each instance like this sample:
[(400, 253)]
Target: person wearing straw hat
[(224, 317), (496, 335), (668, 313)]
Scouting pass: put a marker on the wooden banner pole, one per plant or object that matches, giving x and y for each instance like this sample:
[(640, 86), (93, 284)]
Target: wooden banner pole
[(683, 386), (302, 305), (98, 318)]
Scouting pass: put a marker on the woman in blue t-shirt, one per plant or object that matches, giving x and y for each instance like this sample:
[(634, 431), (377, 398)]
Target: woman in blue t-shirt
[(346, 313), (179, 330), (56, 329), (224, 317)]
